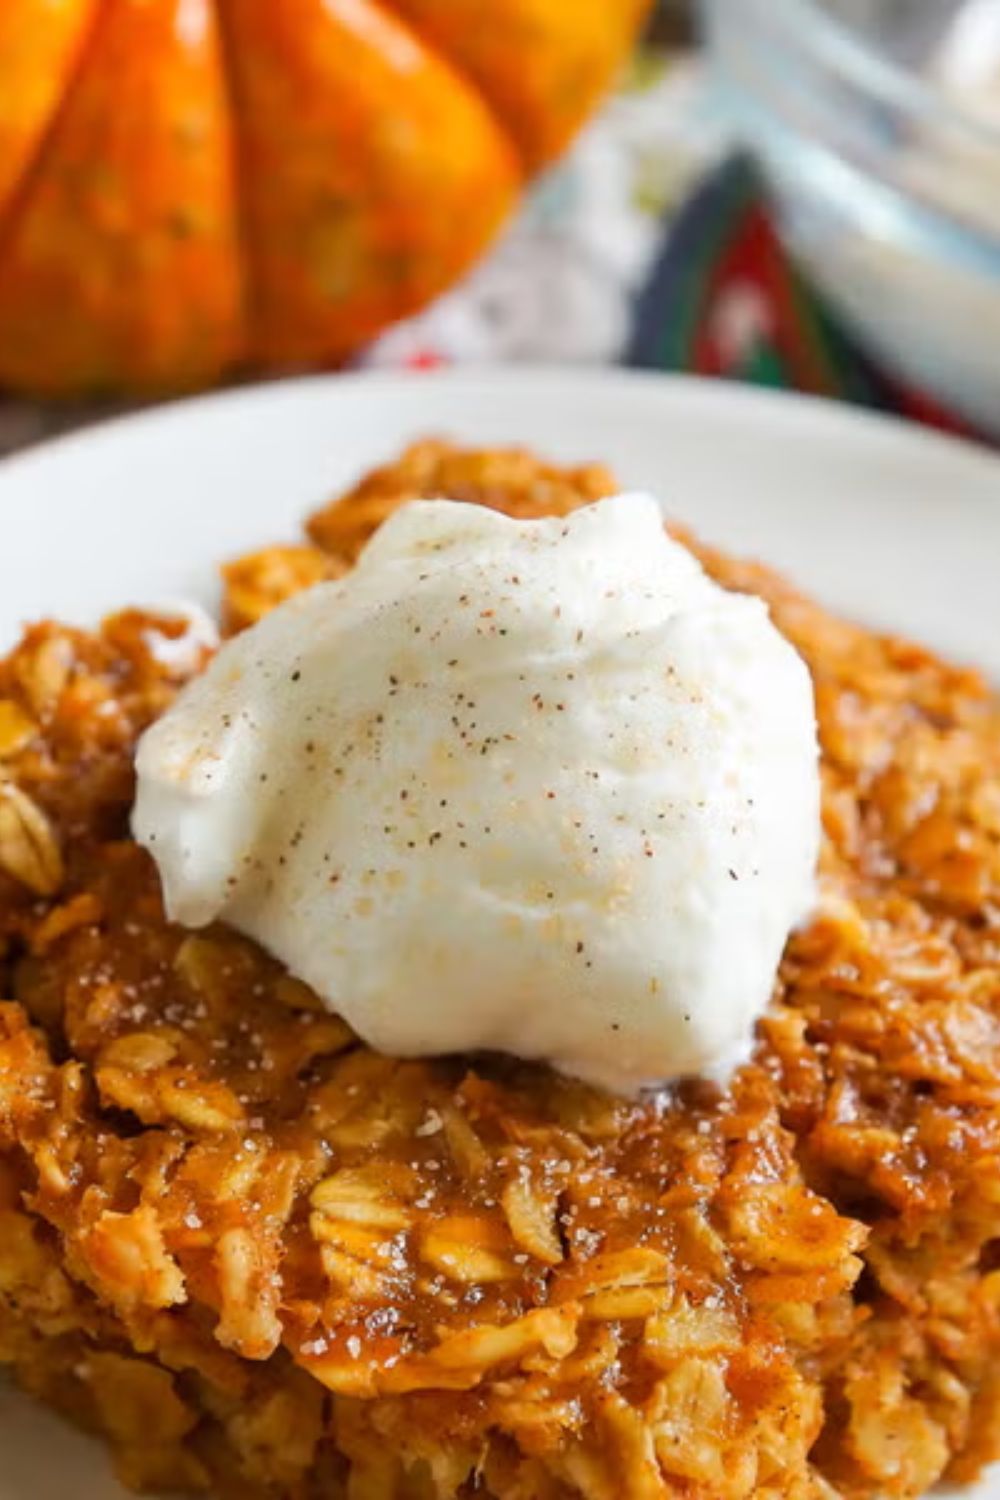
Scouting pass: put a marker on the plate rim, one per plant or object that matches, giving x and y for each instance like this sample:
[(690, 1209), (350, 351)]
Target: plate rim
[(874, 426)]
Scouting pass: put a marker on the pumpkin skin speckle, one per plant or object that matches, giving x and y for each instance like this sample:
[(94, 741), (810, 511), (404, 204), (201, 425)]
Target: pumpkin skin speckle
[(40, 43), (193, 186), (372, 172), (542, 64), (121, 267)]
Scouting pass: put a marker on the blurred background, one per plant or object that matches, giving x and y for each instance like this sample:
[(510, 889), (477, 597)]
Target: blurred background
[(798, 193)]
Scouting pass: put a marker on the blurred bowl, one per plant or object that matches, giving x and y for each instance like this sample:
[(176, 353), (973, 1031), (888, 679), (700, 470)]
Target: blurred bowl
[(886, 178)]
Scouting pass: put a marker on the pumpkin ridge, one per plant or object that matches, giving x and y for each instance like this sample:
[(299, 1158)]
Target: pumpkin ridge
[(121, 268), (248, 269), (372, 171), (541, 65), (34, 164)]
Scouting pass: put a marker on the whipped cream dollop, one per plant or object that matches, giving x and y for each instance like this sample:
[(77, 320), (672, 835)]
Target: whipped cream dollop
[(540, 787)]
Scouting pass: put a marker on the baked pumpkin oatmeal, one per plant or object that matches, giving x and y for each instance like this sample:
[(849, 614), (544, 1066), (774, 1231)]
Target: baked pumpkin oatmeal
[(264, 1260)]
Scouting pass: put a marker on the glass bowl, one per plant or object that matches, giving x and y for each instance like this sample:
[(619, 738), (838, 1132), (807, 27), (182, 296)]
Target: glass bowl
[(880, 139)]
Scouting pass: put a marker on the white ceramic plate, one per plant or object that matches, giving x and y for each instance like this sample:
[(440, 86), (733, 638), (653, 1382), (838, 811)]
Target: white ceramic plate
[(889, 524)]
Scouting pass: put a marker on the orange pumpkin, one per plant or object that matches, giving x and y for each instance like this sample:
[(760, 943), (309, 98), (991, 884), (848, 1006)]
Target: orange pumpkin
[(187, 186)]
